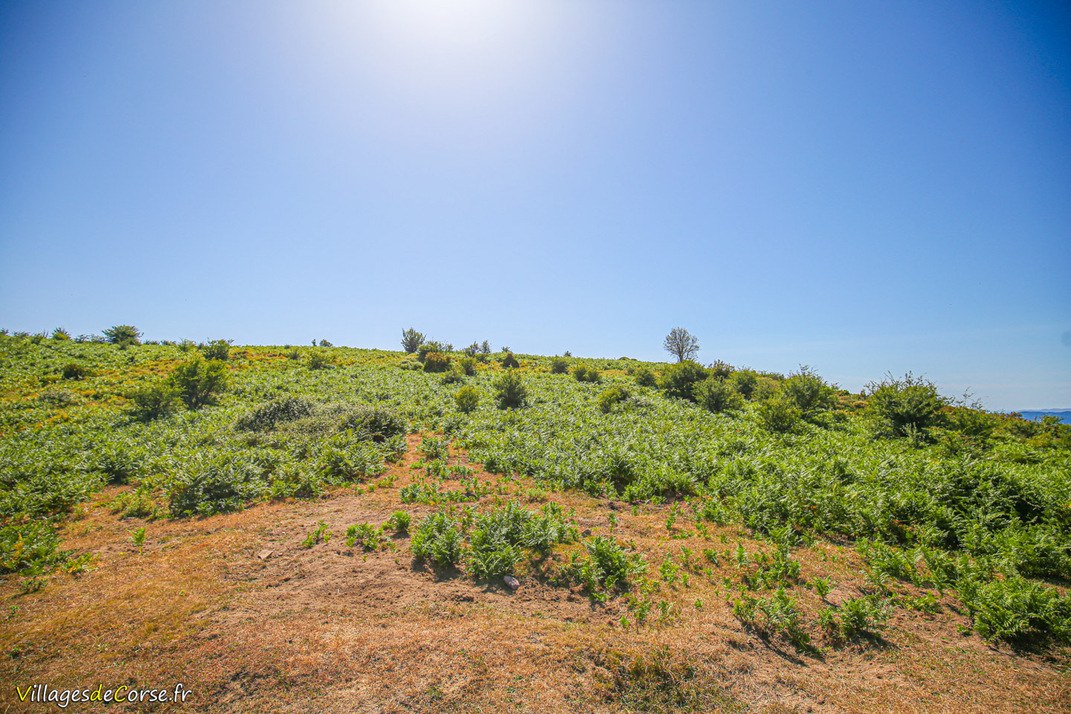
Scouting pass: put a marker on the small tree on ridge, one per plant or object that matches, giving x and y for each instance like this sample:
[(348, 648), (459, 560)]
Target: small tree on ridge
[(681, 344)]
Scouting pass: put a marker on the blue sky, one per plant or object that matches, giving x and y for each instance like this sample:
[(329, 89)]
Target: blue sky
[(861, 187)]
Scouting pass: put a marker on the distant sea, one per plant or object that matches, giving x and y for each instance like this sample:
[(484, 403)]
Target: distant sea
[(1063, 415)]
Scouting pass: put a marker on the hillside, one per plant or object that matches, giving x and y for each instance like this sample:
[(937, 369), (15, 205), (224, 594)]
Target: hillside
[(331, 529)]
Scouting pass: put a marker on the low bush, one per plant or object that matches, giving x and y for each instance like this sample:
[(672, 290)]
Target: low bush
[(267, 416), (746, 382), (855, 618), (74, 371), (1015, 609), (375, 423), (559, 365), (608, 568), (438, 539), (366, 535), (398, 522), (467, 399), (899, 407), (29, 548), (717, 395), (217, 484), (123, 335), (779, 415), (586, 374), (510, 392), (645, 377), (348, 457), (809, 392), (436, 362), (680, 380), (198, 382), (155, 401), (217, 349), (613, 396), (319, 360), (509, 361)]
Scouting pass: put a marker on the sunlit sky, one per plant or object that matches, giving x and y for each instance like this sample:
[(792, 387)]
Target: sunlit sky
[(864, 187)]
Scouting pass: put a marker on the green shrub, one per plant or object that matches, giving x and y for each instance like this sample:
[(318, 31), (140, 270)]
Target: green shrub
[(467, 399), (612, 396), (679, 380), (510, 392), (375, 423), (559, 366), (453, 375), (501, 537), (467, 366), (267, 416), (645, 377), (368, 536), (438, 539), (198, 382), (155, 401), (74, 371), (746, 382), (30, 548), (319, 360), (436, 362), (900, 407), (586, 374), (434, 448), (856, 617), (779, 415), (217, 484), (348, 457), (217, 349), (1015, 609), (398, 522), (720, 369), (412, 340), (427, 348), (608, 567), (717, 395), (123, 335), (776, 614), (509, 361), (809, 392), (61, 334)]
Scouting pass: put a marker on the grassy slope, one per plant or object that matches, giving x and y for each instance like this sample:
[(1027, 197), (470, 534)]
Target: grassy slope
[(250, 630)]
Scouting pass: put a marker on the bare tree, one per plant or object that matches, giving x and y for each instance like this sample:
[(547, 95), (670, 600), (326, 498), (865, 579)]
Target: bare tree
[(412, 340), (681, 344)]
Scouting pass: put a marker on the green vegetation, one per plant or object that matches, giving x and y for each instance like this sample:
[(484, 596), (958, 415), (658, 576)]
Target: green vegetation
[(510, 392), (940, 499)]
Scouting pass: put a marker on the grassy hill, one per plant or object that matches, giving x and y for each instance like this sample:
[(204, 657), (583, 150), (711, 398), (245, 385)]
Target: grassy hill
[(322, 528)]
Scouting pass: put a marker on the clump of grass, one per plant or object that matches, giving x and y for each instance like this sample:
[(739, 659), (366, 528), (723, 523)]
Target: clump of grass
[(320, 534), (368, 536)]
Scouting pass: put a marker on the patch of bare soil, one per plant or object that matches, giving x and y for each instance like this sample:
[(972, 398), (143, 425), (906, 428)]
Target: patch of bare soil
[(248, 619)]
